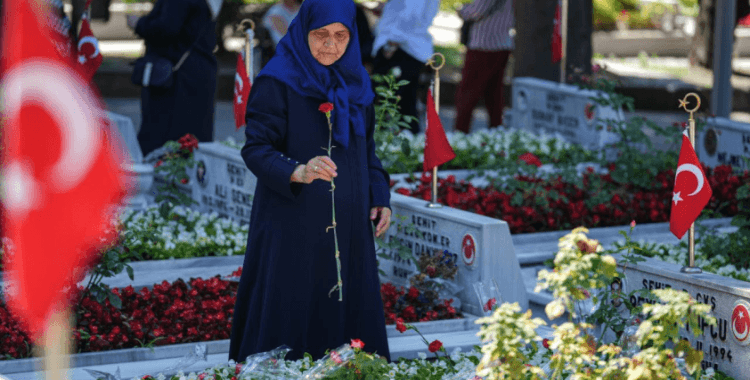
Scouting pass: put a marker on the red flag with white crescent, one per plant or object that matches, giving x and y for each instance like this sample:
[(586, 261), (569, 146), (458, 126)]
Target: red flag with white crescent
[(691, 190), (89, 57), (61, 174), (241, 92), (557, 35), (437, 149)]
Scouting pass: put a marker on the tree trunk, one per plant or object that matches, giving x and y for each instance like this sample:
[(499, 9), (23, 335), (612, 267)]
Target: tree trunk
[(534, 24)]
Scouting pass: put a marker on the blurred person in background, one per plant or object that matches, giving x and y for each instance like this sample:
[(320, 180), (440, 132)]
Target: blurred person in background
[(169, 30), (489, 46), (278, 18), (403, 44)]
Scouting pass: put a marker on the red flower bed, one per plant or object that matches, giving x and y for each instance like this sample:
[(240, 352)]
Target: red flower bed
[(553, 204), (180, 312), (412, 306)]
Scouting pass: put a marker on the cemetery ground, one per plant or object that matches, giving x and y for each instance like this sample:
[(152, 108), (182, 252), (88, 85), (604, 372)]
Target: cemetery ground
[(493, 189)]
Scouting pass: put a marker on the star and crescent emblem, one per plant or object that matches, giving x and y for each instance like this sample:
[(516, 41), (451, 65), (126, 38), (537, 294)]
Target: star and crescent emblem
[(38, 82), (694, 170), (741, 322)]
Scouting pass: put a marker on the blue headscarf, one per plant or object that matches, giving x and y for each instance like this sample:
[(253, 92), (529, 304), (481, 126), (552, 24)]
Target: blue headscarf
[(345, 83)]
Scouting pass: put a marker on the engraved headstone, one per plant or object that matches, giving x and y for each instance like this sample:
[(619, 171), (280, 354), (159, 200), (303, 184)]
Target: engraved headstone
[(221, 182), (725, 346), (724, 142), (481, 246), (555, 108)]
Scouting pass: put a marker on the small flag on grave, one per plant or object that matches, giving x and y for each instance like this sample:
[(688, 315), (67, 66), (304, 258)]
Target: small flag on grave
[(241, 91), (691, 190), (437, 149), (89, 57)]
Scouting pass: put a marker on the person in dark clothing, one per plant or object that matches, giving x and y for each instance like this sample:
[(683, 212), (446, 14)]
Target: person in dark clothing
[(169, 30), (365, 37), (289, 289)]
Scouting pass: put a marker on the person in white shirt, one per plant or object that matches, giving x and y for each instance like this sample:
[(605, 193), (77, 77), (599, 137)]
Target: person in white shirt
[(278, 18), (403, 44)]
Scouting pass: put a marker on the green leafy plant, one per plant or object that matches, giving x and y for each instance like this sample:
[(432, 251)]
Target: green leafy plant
[(172, 168), (389, 121)]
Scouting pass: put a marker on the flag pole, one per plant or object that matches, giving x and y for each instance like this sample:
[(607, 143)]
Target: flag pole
[(691, 268), (56, 345), (436, 96), (564, 38), (249, 37)]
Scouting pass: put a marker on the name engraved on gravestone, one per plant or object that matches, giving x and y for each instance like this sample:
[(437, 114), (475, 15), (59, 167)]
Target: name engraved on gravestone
[(479, 245), (553, 108), (725, 344), (724, 142), (227, 186)]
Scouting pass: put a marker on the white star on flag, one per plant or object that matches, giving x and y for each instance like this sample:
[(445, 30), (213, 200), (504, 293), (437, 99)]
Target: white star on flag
[(676, 197)]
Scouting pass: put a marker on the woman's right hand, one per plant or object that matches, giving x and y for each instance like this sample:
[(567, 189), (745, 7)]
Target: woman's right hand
[(320, 167)]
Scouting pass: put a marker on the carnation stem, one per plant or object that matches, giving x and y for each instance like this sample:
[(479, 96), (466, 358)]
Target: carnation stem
[(339, 284)]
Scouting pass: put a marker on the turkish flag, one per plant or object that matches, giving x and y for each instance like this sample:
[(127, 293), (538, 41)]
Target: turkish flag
[(557, 35), (61, 174), (437, 149), (691, 190), (241, 92), (89, 57)]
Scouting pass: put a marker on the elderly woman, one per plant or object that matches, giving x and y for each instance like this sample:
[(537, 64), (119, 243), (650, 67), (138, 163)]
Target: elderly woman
[(290, 265)]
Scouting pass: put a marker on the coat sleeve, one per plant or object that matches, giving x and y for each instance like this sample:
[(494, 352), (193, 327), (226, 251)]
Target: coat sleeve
[(265, 131), (380, 195), (163, 25)]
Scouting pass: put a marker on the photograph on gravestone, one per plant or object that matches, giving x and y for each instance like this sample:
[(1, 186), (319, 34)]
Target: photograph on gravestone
[(724, 142), (480, 246), (222, 183), (567, 111), (725, 345)]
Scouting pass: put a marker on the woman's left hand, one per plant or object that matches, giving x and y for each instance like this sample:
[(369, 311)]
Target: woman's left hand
[(384, 220)]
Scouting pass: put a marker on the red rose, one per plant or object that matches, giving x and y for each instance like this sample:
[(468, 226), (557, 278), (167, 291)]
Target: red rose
[(435, 346), (400, 325), (530, 159), (430, 271), (237, 368), (326, 107), (356, 343), (490, 304), (545, 343)]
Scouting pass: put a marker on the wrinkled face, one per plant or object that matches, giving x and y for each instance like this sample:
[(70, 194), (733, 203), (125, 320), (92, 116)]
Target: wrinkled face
[(328, 43)]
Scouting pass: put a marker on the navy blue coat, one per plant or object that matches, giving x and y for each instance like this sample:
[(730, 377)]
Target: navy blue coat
[(289, 264), (187, 107)]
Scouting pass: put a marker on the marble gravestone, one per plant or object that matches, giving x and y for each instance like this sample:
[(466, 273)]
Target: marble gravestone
[(221, 182), (139, 174), (564, 110), (724, 142), (127, 136), (481, 246), (725, 346)]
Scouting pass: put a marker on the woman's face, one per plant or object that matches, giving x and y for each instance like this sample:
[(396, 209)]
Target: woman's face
[(328, 43)]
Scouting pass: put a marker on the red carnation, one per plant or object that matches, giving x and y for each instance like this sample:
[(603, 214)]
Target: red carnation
[(400, 325), (530, 159), (435, 346), (326, 107), (356, 343), (188, 142), (545, 343)]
